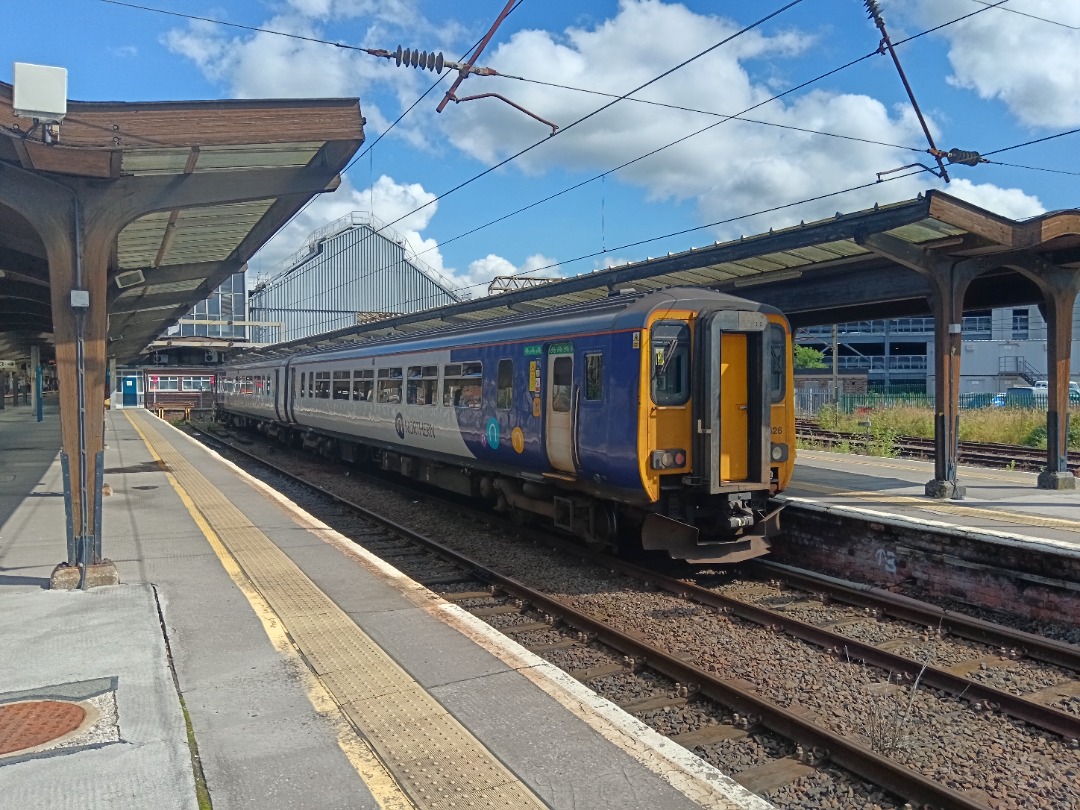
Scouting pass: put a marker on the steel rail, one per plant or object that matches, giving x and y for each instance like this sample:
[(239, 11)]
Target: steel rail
[(987, 454), (847, 753), (1049, 651), (1044, 717)]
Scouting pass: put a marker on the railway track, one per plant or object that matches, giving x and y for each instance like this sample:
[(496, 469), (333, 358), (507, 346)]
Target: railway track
[(666, 682), (981, 454)]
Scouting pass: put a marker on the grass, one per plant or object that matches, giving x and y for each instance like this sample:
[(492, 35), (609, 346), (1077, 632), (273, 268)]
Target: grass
[(202, 795), (1017, 426)]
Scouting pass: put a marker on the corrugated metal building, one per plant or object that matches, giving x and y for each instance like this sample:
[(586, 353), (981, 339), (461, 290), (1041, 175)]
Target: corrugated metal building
[(347, 272)]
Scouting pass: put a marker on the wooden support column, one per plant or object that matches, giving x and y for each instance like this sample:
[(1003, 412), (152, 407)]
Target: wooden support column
[(948, 280), (949, 285), (1060, 293)]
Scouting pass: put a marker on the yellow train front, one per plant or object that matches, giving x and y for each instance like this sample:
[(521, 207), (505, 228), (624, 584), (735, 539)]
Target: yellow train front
[(716, 426), (660, 419)]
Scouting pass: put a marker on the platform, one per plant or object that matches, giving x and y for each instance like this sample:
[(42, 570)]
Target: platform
[(998, 503), (312, 674)]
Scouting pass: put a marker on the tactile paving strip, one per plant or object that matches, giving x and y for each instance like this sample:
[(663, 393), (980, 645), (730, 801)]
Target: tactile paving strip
[(436, 760), (35, 722)]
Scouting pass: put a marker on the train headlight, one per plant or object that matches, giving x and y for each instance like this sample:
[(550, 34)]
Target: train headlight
[(779, 452), (667, 459)]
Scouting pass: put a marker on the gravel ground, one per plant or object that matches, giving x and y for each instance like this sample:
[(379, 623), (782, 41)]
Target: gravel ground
[(938, 735)]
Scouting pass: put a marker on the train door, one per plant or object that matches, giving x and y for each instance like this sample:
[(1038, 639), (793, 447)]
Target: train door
[(730, 403), (559, 418), (278, 394), (290, 393), (734, 407)]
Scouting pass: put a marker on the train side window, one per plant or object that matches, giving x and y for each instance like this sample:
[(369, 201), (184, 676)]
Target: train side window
[(504, 399), (562, 380), (340, 388), (423, 382), (311, 384), (322, 384), (594, 377), (363, 384), (777, 363), (463, 385), (303, 379), (389, 385), (269, 390), (670, 352)]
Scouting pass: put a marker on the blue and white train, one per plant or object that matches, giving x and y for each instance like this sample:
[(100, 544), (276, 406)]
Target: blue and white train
[(662, 418)]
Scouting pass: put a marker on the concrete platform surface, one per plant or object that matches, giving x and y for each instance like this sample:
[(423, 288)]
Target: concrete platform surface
[(209, 560), (997, 502)]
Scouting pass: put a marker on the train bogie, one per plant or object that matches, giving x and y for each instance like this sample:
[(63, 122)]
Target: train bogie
[(667, 416)]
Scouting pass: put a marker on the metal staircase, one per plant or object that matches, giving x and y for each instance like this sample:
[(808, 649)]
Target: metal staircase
[(1019, 367)]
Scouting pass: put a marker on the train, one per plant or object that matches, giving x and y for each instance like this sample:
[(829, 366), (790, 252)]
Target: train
[(660, 420)]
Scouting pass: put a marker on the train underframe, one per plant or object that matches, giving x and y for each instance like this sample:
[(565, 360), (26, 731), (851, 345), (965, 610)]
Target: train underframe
[(687, 525)]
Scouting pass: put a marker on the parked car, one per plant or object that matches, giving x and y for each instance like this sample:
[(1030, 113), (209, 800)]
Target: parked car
[(998, 401)]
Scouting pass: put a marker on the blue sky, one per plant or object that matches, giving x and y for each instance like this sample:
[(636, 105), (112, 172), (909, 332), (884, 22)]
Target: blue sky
[(997, 79)]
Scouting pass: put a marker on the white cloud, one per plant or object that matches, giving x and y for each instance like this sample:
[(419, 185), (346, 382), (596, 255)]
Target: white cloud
[(1028, 64), (1007, 202), (733, 168)]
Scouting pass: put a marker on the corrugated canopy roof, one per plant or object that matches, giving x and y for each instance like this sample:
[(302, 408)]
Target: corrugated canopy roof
[(780, 267), (165, 262)]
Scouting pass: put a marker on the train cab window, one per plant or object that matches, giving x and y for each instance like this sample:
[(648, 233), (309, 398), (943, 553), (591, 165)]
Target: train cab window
[(363, 384), (389, 385), (463, 385), (322, 384), (504, 397), (777, 363), (594, 377), (423, 383), (670, 354), (340, 387), (562, 381)]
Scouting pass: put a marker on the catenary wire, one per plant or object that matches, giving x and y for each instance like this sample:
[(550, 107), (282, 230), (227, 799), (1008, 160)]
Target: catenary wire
[(1032, 16), (648, 154)]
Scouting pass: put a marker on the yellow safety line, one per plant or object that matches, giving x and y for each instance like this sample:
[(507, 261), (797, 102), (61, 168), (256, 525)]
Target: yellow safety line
[(945, 509), (379, 781)]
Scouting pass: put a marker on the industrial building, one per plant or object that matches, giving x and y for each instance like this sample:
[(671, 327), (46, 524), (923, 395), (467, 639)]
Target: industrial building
[(354, 269)]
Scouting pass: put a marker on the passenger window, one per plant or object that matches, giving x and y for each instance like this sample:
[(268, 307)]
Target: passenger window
[(562, 380), (423, 382), (389, 390), (594, 377), (311, 384), (363, 384), (777, 363), (670, 356), (463, 385), (504, 397), (322, 384), (341, 384)]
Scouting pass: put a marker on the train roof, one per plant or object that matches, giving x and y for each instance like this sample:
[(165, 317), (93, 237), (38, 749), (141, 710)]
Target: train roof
[(621, 311)]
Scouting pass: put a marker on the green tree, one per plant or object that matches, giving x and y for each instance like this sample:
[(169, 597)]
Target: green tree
[(805, 357)]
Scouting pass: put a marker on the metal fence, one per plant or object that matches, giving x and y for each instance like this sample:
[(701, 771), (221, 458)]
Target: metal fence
[(809, 403)]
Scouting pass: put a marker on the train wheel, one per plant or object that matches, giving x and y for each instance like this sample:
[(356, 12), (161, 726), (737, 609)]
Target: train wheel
[(604, 534)]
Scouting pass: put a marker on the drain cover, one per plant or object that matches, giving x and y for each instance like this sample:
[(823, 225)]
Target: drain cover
[(36, 722)]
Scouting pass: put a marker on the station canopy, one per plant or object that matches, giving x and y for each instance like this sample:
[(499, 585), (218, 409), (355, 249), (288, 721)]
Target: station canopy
[(817, 273), (166, 261)]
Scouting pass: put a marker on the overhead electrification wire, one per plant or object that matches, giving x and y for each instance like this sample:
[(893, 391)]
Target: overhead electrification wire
[(680, 140), (683, 232), (1032, 16), (1030, 143)]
